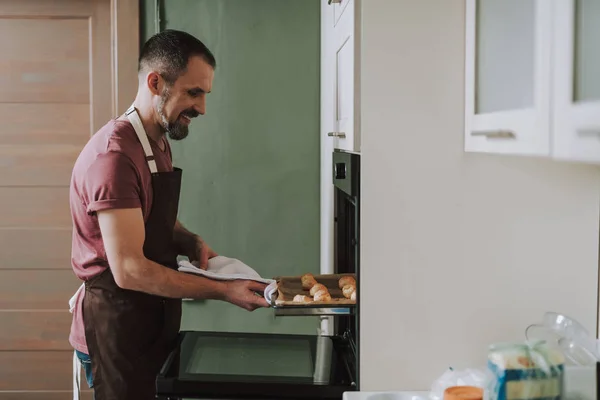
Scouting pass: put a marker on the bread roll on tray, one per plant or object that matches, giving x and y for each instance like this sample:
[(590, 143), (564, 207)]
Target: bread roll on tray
[(346, 280)]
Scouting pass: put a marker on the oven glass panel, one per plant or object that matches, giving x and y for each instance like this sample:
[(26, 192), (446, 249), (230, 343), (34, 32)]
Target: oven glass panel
[(345, 233), (345, 253), (250, 356), (253, 357)]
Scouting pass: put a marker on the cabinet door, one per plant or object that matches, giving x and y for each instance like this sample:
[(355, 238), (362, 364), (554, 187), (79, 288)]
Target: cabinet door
[(507, 77), (576, 77), (340, 58)]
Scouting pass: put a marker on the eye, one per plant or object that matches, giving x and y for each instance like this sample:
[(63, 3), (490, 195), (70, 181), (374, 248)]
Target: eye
[(195, 92)]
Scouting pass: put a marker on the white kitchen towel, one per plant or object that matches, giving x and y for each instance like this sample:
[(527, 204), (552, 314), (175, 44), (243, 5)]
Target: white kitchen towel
[(219, 268), (225, 268), (73, 300)]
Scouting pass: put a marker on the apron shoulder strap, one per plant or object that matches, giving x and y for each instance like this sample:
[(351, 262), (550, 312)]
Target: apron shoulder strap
[(135, 120)]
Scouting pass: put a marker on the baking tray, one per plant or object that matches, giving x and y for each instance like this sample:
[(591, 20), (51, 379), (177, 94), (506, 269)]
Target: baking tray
[(290, 286)]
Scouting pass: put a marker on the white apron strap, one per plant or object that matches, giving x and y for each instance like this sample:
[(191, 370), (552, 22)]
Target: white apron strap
[(135, 120), (76, 377), (76, 363)]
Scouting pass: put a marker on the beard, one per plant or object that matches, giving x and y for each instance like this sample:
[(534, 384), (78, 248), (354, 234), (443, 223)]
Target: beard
[(176, 130)]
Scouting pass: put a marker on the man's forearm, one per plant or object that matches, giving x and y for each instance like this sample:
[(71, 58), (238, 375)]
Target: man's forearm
[(184, 239), (147, 276)]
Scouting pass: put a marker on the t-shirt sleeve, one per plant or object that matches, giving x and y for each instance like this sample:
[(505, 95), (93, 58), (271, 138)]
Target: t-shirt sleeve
[(112, 182)]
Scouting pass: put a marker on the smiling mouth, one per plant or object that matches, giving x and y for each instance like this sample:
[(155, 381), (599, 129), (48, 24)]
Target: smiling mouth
[(186, 119)]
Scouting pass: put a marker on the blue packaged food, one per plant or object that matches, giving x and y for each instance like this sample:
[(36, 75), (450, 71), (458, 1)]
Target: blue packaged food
[(522, 371)]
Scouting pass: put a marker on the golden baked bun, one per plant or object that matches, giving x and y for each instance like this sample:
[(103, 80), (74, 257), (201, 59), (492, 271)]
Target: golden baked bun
[(322, 295), (346, 280), (353, 296), (308, 281), (300, 298), (348, 290), (317, 287)]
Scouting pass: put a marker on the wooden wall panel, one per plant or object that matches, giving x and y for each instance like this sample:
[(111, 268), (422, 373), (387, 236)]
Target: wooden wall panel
[(36, 370), (35, 249), (37, 289), (37, 165), (35, 330), (44, 8), (126, 74), (40, 207), (45, 68), (103, 98), (45, 123), (64, 67), (56, 395)]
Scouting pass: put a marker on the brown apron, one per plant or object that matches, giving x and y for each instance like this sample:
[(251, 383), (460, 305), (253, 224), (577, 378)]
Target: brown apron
[(128, 333)]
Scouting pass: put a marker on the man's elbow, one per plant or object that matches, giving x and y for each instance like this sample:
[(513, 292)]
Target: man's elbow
[(127, 273), (122, 280)]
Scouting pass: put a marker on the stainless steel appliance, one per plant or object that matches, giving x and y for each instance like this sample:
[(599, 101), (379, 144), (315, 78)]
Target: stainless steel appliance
[(233, 365)]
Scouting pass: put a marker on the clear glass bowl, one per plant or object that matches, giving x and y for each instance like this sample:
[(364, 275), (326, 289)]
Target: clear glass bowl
[(567, 335)]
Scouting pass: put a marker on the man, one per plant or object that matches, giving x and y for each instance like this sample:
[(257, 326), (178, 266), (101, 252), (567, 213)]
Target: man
[(126, 238)]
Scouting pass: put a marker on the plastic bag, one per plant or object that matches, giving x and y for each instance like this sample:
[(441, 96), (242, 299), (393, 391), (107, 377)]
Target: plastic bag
[(467, 377)]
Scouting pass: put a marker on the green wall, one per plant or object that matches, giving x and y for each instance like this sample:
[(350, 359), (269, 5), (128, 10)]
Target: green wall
[(251, 164)]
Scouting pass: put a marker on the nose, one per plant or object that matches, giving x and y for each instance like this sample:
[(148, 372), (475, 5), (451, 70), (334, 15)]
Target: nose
[(200, 105)]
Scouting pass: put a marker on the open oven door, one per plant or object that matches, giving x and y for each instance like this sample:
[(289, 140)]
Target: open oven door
[(225, 365)]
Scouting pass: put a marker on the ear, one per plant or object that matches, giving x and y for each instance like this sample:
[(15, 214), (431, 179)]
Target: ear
[(154, 82)]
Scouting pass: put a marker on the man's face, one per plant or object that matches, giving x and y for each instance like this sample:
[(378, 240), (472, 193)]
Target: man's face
[(185, 99)]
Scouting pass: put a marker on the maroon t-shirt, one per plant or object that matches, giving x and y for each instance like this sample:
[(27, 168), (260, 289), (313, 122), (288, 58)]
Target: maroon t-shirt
[(111, 172)]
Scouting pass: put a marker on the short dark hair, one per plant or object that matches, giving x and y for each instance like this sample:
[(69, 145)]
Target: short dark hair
[(169, 52)]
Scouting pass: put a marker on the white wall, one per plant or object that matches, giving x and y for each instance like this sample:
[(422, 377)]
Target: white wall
[(458, 250)]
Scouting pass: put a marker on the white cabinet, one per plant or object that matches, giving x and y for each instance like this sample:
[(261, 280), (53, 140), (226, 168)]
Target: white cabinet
[(507, 74), (576, 80), (339, 69), (340, 112), (532, 78)]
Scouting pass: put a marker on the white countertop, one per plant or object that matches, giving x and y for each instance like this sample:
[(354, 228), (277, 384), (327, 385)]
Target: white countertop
[(408, 395)]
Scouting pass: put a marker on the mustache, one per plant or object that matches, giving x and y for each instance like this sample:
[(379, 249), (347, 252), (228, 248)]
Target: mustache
[(190, 113)]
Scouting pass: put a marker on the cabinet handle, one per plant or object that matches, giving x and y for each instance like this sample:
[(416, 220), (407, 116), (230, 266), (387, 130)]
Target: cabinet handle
[(589, 132), (500, 134), (337, 134), (333, 1)]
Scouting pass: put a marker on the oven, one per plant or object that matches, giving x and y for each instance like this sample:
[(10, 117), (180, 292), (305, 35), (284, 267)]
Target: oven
[(237, 365), (346, 236)]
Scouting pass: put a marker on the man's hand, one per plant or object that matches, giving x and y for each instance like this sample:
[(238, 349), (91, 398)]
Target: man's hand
[(201, 253), (192, 246), (243, 293)]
